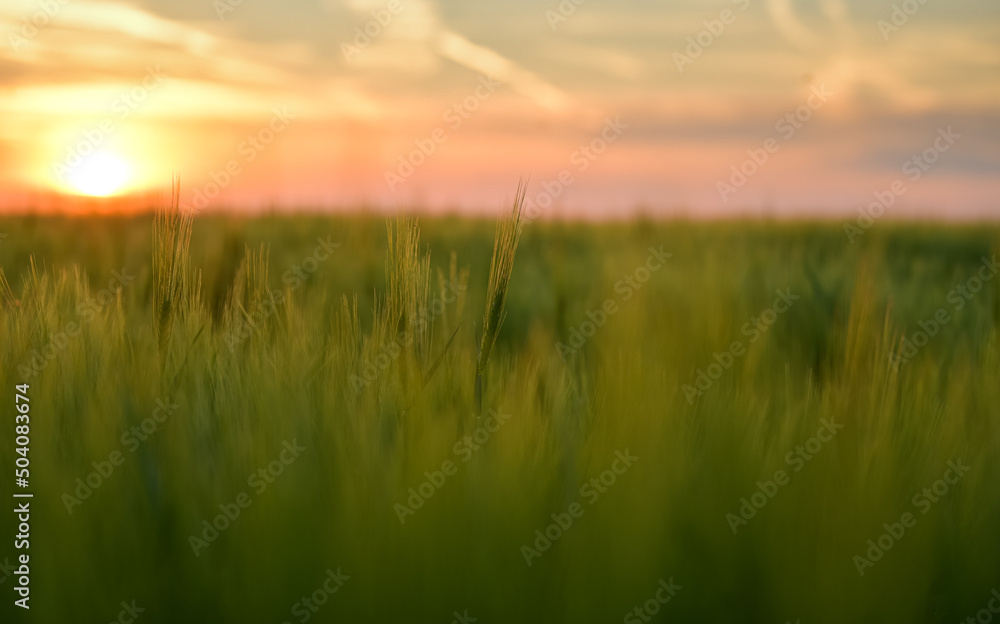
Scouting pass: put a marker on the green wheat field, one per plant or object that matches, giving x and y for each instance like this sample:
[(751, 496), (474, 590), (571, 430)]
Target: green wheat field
[(349, 418)]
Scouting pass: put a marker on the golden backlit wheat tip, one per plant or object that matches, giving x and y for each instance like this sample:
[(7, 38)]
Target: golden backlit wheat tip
[(171, 242), (508, 234)]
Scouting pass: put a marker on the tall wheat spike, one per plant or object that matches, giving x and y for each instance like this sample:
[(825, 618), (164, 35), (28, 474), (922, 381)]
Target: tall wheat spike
[(508, 234), (408, 283), (171, 242)]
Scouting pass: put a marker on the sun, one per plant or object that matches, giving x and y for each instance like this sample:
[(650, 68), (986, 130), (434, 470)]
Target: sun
[(100, 175)]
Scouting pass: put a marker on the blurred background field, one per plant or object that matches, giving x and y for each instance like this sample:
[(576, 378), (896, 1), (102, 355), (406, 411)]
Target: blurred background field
[(290, 378)]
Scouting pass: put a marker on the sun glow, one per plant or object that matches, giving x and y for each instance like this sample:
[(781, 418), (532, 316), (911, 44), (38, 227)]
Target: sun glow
[(100, 175)]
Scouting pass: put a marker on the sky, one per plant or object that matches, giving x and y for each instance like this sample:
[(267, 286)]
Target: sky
[(610, 108)]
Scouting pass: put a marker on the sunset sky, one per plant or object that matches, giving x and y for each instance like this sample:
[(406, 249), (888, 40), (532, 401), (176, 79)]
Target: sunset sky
[(445, 104)]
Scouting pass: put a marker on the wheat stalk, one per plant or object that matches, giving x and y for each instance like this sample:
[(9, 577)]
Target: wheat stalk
[(508, 234), (171, 242)]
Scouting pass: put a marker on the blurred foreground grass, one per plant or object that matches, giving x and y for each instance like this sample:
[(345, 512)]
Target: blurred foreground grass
[(280, 345)]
